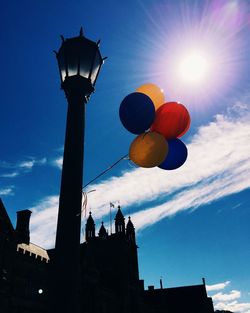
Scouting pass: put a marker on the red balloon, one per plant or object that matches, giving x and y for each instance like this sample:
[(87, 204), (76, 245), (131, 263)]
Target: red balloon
[(172, 120)]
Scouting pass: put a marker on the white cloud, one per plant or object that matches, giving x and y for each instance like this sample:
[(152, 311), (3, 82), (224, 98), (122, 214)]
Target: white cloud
[(225, 297), (198, 195), (10, 175), (236, 206), (8, 191), (58, 162), (41, 161), (20, 167), (218, 286), (27, 164), (228, 301), (43, 222), (218, 165), (234, 306)]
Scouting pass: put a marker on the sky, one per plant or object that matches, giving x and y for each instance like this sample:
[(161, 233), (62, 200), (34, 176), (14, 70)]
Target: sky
[(192, 222)]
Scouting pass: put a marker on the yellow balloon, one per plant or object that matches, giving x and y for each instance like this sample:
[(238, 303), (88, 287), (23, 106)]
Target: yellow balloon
[(148, 150), (154, 92)]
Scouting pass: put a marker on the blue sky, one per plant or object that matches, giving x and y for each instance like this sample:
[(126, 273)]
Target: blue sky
[(192, 222)]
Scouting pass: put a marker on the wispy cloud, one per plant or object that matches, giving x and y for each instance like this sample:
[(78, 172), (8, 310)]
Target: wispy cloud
[(29, 164), (11, 170), (229, 301), (42, 161), (20, 167), (58, 162), (9, 175), (4, 164), (225, 297), (218, 165), (218, 286), (236, 206), (234, 306), (8, 191), (43, 221)]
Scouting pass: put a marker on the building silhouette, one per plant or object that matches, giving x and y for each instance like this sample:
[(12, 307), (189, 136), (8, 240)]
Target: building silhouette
[(109, 280)]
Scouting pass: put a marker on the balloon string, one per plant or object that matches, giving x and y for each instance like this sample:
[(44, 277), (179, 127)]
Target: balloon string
[(108, 169), (84, 204)]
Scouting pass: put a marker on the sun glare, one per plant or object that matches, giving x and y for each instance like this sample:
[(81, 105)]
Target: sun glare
[(194, 68), (198, 54)]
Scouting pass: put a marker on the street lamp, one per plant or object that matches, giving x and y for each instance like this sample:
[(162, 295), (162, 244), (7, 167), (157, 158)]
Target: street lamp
[(79, 61)]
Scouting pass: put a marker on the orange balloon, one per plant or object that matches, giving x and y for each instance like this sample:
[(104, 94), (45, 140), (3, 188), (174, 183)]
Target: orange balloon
[(154, 92), (148, 150)]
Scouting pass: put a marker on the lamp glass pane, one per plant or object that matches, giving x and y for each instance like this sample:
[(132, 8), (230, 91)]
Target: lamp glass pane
[(96, 66), (72, 53), (87, 53), (61, 63)]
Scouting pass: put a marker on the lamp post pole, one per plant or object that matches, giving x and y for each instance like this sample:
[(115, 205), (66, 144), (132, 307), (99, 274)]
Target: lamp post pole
[(67, 254), (79, 63)]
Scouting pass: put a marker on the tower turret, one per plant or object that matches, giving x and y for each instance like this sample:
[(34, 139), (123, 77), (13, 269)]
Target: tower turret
[(5, 223), (130, 230), (22, 231), (90, 228), (102, 232), (119, 222)]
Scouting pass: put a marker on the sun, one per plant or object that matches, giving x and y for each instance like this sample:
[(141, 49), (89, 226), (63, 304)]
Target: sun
[(194, 67), (198, 54)]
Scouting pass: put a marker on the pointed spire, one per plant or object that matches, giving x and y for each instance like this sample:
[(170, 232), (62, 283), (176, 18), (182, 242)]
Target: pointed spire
[(81, 32), (90, 228), (119, 215), (102, 232), (119, 222), (130, 225), (130, 230), (90, 220)]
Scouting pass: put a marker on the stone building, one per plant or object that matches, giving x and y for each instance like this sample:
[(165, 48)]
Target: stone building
[(109, 277), (23, 267)]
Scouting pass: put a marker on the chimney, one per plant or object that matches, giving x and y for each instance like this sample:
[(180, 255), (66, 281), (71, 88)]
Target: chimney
[(161, 283), (22, 227)]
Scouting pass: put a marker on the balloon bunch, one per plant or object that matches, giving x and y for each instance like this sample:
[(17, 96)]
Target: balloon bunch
[(159, 126)]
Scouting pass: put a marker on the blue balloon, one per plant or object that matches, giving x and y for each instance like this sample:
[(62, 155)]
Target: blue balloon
[(137, 112), (177, 155)]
